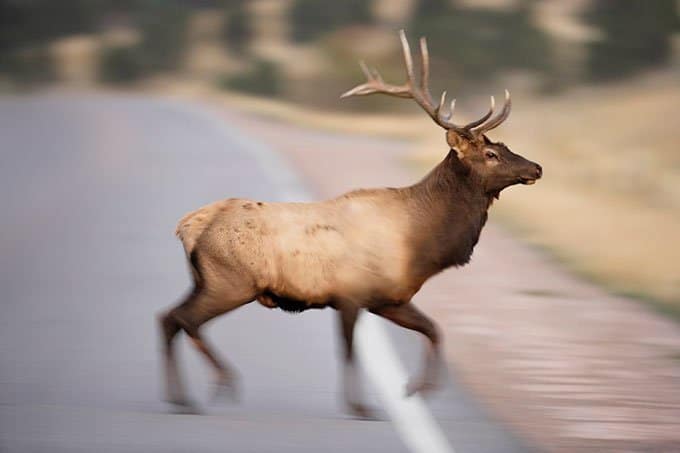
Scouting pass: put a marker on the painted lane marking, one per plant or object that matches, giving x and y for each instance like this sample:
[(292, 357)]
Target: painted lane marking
[(412, 419), (414, 423)]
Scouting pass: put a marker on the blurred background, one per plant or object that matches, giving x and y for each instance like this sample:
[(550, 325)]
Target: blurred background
[(305, 51), (595, 84), (595, 87)]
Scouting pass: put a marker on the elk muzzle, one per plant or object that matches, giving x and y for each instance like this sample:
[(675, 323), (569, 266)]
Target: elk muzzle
[(534, 173)]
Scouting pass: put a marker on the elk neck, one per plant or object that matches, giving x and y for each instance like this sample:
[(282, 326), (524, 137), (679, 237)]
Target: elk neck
[(447, 210)]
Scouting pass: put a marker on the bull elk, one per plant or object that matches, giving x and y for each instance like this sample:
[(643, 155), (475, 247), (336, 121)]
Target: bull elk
[(369, 249)]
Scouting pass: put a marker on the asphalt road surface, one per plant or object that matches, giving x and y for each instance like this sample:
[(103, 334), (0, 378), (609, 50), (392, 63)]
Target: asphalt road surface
[(92, 187)]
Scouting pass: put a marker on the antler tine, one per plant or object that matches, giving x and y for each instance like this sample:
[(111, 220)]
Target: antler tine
[(425, 70), (440, 107), (486, 116), (375, 84), (365, 70), (422, 96), (498, 119), (377, 76), (408, 58)]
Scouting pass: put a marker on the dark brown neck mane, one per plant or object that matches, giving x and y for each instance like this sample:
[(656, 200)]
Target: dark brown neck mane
[(448, 209)]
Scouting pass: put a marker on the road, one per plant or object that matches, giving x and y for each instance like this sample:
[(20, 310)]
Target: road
[(92, 188)]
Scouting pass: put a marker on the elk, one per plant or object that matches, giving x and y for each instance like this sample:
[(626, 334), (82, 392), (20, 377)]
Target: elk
[(369, 249)]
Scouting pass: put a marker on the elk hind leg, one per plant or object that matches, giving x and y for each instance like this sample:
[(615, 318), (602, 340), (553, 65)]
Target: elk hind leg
[(170, 327), (204, 307)]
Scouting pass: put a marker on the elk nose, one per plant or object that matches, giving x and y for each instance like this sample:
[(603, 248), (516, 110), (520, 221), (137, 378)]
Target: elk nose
[(539, 171)]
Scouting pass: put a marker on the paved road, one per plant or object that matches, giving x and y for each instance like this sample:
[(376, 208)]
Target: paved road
[(91, 189)]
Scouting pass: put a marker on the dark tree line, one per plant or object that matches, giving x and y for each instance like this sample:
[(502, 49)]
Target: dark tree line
[(635, 36), (474, 44), (477, 44)]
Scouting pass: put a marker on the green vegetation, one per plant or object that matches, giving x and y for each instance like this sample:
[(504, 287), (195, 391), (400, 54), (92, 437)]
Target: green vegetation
[(163, 40), (262, 79), (28, 67), (477, 44), (34, 23), (470, 45), (237, 31), (311, 19), (164, 29), (121, 64), (27, 27), (635, 36)]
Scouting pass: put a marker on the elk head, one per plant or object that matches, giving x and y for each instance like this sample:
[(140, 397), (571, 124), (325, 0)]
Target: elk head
[(490, 163)]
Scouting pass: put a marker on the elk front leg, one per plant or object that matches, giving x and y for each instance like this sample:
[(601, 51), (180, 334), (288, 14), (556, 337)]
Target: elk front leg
[(408, 316), (351, 388)]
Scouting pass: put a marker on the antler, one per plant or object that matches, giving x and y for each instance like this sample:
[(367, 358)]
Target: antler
[(483, 127), (421, 93)]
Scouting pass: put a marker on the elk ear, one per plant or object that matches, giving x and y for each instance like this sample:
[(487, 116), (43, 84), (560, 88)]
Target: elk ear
[(456, 143)]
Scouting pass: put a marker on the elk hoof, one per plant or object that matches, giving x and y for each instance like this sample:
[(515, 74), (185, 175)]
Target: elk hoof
[(226, 390), (425, 386), (362, 411), (182, 405)]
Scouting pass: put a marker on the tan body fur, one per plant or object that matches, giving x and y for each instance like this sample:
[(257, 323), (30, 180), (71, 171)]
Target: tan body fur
[(354, 247)]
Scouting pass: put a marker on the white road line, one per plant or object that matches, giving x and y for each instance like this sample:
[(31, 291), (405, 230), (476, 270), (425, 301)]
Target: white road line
[(412, 420)]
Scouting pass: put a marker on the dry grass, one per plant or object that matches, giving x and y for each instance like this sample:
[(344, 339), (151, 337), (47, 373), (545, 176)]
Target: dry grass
[(609, 205)]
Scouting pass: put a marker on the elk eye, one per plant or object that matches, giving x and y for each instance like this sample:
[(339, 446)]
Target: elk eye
[(491, 155)]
